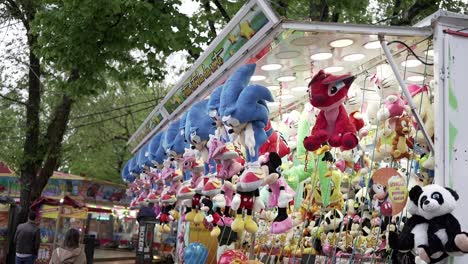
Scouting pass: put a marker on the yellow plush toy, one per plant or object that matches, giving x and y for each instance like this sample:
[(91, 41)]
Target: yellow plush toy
[(336, 196)]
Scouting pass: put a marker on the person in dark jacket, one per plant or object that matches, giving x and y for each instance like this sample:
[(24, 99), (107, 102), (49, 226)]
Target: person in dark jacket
[(27, 240), (146, 212)]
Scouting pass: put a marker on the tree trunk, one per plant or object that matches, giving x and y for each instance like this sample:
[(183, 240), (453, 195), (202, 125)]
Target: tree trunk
[(222, 10), (212, 33), (282, 8), (31, 151), (54, 137)]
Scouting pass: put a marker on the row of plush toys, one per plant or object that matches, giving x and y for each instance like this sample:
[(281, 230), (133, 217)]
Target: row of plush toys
[(197, 162), (218, 159)]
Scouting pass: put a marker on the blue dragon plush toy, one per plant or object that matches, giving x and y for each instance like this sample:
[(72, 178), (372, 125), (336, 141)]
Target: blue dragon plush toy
[(214, 113), (198, 128), (244, 111)]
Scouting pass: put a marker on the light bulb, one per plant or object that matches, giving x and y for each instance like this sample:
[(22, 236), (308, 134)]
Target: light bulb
[(372, 45), (411, 63), (341, 43), (321, 56), (271, 67), (286, 78), (354, 57), (255, 78)]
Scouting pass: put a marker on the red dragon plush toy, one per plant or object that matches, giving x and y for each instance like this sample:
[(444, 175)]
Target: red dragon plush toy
[(327, 93)]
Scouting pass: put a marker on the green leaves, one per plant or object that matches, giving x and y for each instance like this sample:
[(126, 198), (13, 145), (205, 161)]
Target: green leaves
[(90, 36)]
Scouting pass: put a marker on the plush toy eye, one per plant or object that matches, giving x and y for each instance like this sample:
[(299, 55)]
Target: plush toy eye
[(335, 88)]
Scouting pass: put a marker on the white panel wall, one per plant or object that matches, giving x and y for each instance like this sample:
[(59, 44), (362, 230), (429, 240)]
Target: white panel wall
[(451, 108)]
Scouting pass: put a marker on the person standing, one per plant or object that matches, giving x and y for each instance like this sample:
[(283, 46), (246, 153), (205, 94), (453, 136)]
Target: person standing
[(146, 212), (70, 252), (27, 240)]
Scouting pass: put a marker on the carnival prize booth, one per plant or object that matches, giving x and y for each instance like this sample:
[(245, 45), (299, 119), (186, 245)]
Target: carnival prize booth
[(56, 217), (292, 142)]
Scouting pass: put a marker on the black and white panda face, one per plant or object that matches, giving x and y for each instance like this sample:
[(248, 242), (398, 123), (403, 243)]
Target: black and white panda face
[(332, 220), (362, 198), (432, 200)]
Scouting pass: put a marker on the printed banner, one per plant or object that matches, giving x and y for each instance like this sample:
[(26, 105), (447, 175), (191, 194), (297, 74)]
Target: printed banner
[(388, 191), (49, 211), (71, 212)]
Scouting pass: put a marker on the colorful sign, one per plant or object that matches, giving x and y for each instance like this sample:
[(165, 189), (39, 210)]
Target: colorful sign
[(153, 122), (71, 212), (388, 191), (50, 211)]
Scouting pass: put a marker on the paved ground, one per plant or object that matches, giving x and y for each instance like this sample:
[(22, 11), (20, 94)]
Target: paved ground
[(118, 262), (114, 256)]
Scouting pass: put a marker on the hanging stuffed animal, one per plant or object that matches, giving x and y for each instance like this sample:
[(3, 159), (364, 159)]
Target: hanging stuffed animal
[(336, 197), (189, 193), (353, 107), (275, 143), (331, 224), (425, 109), (198, 128), (389, 90), (213, 112), (212, 217), (328, 92), (401, 142), (280, 193), (436, 204), (243, 109), (168, 214)]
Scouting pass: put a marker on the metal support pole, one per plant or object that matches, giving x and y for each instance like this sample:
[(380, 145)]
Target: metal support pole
[(252, 241), (403, 86)]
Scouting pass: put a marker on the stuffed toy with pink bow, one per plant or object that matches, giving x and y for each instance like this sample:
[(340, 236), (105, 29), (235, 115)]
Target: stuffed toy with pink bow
[(280, 192)]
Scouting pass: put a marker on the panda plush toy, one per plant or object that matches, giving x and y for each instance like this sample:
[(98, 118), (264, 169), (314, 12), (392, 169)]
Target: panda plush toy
[(432, 231)]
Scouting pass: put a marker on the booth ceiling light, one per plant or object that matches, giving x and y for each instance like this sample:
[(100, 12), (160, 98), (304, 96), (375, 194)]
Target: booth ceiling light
[(341, 43), (354, 57), (301, 68), (271, 67), (321, 56), (286, 78), (286, 96), (429, 53), (257, 78), (416, 78), (305, 41), (333, 69), (411, 63), (299, 89), (288, 55), (273, 87), (372, 45)]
